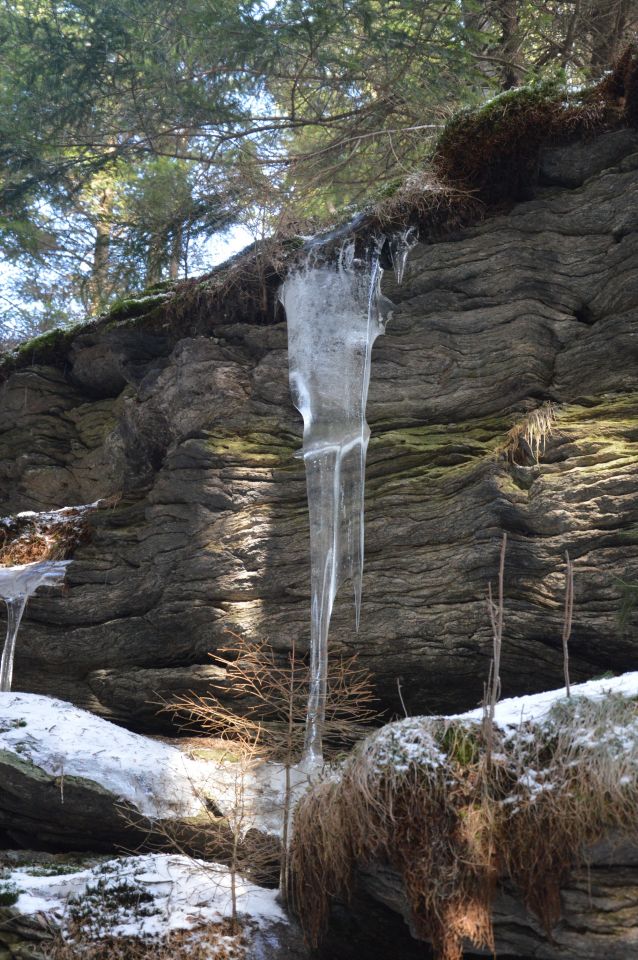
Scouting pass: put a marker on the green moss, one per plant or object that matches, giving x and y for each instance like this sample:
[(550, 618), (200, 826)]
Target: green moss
[(494, 150), (257, 448), (41, 348), (223, 752), (605, 431), (132, 308), (498, 109), (440, 452), (462, 743), (49, 349), (29, 770), (618, 413)]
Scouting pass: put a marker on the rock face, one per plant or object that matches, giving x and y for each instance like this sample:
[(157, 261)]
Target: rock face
[(599, 906), (211, 532)]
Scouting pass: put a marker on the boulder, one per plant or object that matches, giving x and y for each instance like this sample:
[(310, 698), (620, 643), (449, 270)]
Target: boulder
[(74, 781)]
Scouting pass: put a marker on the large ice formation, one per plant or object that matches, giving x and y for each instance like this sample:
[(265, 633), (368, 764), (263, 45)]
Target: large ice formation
[(335, 312)]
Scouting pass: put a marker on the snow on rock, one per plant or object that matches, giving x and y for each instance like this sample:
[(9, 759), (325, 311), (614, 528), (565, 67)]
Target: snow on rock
[(536, 707), (66, 741), (160, 780), (402, 744), (414, 740), (141, 896)]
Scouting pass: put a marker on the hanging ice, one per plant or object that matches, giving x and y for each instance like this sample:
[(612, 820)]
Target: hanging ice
[(17, 584), (334, 314), (399, 246)]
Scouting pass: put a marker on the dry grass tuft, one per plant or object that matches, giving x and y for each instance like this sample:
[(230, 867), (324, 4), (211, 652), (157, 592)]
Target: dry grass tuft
[(43, 536), (428, 203), (585, 781), (420, 796), (386, 806), (526, 441), (215, 941), (243, 290)]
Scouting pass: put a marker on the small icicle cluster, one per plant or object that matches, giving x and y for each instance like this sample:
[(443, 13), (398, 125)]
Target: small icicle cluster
[(335, 312)]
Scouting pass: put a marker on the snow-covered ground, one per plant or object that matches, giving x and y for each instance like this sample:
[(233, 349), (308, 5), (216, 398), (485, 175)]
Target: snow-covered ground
[(163, 782), (415, 740), (154, 894), (140, 896)]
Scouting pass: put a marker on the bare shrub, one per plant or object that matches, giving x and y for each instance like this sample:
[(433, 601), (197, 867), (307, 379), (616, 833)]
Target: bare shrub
[(274, 695), (493, 688)]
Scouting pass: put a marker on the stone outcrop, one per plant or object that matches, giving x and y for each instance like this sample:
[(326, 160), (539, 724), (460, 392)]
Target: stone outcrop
[(75, 813), (599, 905), (210, 534)]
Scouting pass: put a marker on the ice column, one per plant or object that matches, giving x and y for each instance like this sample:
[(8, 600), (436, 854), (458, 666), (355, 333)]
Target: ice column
[(334, 313), (16, 586)]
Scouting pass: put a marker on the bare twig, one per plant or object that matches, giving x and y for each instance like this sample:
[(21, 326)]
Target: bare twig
[(273, 697), (567, 621), (493, 691), (401, 696)]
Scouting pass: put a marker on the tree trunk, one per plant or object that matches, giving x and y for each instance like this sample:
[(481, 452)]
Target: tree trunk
[(511, 73), (99, 285), (155, 259), (176, 252), (607, 24)]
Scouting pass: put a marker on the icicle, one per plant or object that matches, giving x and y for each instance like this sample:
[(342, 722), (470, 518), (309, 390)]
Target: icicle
[(17, 584), (335, 312), (400, 245), (334, 315)]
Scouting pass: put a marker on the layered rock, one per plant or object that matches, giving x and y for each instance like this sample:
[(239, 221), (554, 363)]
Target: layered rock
[(210, 534)]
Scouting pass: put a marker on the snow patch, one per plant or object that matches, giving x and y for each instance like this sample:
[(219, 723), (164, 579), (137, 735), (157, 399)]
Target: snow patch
[(535, 707), (64, 740), (142, 896), (160, 780), (404, 744)]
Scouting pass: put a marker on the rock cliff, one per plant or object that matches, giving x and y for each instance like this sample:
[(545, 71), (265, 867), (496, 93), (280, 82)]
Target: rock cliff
[(196, 436)]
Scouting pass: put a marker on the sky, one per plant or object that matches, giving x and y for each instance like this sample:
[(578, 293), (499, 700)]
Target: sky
[(225, 245)]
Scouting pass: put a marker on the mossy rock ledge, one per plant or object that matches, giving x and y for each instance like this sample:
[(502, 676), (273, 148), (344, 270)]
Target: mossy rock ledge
[(194, 436)]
